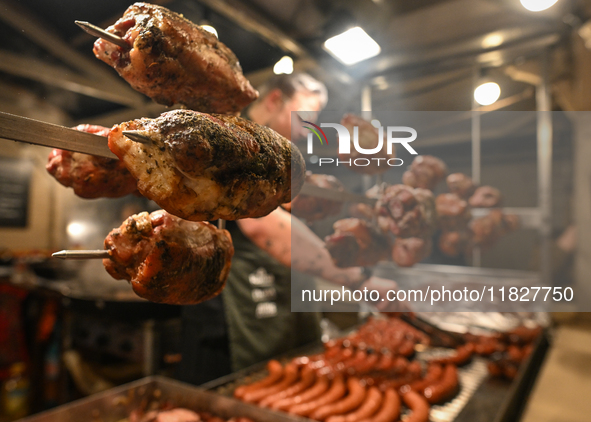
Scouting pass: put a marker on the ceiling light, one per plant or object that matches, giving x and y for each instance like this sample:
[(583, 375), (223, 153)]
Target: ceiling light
[(538, 5), (76, 229), (211, 29), (352, 46), (284, 65), (487, 93), (492, 41)]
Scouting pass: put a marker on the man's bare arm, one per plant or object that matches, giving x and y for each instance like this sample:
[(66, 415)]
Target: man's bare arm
[(293, 244)]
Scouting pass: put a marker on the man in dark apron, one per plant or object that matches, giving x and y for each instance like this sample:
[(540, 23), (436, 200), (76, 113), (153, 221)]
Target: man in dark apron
[(251, 320)]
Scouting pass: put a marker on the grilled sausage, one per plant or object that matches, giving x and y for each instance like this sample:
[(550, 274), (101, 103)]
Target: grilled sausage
[(389, 410), (434, 373), (335, 392), (462, 356), (354, 398), (443, 388), (290, 375), (308, 376), (418, 406), (275, 373), (319, 387), (371, 404)]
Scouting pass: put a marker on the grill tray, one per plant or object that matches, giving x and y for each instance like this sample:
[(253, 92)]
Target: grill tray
[(481, 398), (151, 393)]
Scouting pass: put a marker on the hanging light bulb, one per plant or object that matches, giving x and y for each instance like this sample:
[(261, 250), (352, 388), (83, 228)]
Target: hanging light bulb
[(284, 65), (210, 29), (487, 93), (538, 5)]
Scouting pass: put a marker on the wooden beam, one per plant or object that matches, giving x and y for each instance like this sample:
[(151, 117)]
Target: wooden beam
[(17, 17), (65, 78), (268, 31), (254, 22), (523, 76)]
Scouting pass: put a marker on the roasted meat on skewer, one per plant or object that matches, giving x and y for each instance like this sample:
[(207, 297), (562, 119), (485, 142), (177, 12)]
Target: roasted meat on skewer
[(203, 167), (486, 197), (425, 172), (454, 243), (368, 137), (366, 211), (461, 185), (410, 251), (490, 228), (356, 243), (363, 211), (407, 212), (91, 176), (170, 260), (313, 208), (453, 212), (174, 61)]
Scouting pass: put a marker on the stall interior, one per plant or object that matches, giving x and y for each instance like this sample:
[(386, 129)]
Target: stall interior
[(73, 330)]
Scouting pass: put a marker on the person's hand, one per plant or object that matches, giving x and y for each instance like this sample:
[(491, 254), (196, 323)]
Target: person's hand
[(568, 239), (383, 286)]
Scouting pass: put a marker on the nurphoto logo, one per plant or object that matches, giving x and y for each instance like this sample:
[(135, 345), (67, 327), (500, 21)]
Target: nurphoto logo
[(344, 144)]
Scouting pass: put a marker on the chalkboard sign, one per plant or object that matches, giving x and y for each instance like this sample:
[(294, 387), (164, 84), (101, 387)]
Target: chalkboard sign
[(15, 179)]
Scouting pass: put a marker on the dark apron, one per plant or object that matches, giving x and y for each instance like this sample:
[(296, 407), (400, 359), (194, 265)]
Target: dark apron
[(251, 321), (257, 305)]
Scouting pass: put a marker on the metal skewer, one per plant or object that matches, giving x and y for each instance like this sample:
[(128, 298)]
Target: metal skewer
[(72, 254), (221, 224), (138, 136), (101, 33)]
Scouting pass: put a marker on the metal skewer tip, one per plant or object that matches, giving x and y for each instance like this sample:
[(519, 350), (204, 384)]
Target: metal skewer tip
[(96, 31), (92, 254), (138, 136)]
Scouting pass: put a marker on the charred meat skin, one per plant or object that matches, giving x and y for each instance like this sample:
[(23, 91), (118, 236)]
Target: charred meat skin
[(203, 167), (169, 260), (91, 176), (174, 61), (356, 243), (312, 208)]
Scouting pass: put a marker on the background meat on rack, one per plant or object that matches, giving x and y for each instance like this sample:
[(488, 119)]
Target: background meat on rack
[(453, 212), (368, 137), (486, 197), (407, 212), (461, 185), (313, 208), (425, 172), (409, 251), (356, 243)]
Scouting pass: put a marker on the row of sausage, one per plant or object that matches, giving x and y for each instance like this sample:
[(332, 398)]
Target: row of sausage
[(369, 374)]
